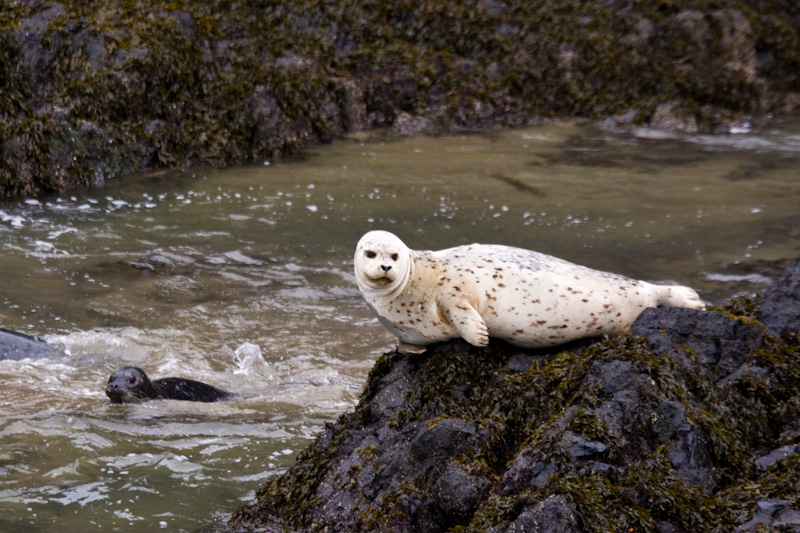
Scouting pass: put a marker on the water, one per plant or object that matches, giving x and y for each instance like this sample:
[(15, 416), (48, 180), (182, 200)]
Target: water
[(242, 278)]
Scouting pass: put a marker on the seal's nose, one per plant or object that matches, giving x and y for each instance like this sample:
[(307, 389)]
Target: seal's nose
[(386, 268)]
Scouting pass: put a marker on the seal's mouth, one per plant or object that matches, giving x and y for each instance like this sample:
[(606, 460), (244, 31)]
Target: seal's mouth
[(382, 281), (122, 396)]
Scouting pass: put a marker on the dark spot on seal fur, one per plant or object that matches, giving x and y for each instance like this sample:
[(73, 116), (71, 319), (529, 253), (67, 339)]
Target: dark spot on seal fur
[(130, 384)]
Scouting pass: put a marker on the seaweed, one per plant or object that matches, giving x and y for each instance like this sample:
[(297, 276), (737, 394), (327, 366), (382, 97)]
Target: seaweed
[(542, 430), (222, 83)]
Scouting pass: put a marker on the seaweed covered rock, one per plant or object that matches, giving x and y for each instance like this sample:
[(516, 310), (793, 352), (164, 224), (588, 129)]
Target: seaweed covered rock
[(689, 423), (92, 89)]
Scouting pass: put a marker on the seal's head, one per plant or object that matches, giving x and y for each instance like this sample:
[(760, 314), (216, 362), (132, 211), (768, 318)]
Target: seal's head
[(382, 262), (129, 385)]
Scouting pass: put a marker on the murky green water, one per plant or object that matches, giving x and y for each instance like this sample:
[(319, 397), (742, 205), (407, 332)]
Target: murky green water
[(242, 278)]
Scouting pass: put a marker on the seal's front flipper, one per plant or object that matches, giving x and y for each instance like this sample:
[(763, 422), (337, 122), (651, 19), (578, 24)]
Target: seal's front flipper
[(467, 322)]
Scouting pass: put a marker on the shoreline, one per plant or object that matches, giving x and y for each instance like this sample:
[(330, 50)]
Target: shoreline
[(93, 92)]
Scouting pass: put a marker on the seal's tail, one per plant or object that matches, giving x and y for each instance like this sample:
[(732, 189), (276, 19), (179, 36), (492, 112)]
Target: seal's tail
[(680, 296)]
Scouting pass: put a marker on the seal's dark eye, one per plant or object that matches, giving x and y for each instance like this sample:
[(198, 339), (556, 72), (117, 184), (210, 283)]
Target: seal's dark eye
[(131, 380), (370, 254), (394, 257)]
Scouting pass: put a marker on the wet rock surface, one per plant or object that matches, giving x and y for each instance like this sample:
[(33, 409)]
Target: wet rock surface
[(16, 346), (92, 90), (689, 423), (781, 307)]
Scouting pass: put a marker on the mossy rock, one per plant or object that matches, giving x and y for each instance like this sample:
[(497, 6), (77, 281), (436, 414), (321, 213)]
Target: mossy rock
[(220, 83), (610, 435)]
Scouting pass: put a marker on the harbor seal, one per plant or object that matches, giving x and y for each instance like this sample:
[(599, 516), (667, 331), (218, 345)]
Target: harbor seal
[(479, 291), (130, 384)]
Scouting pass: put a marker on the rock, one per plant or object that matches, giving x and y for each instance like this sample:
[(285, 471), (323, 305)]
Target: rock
[(580, 448), (772, 458), (405, 124), (666, 429), (788, 517), (457, 492), (613, 376), (738, 36), (444, 438), (668, 418), (234, 84), (773, 513), (691, 458), (553, 515), (672, 116), (30, 35), (520, 363), (718, 342), (18, 346), (780, 308), (620, 409)]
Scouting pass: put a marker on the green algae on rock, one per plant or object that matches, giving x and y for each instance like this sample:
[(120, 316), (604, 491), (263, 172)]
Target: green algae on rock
[(689, 423), (92, 90)]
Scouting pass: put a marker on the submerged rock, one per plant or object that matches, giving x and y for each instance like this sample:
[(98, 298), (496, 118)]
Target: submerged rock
[(689, 423), (18, 346), (93, 89)]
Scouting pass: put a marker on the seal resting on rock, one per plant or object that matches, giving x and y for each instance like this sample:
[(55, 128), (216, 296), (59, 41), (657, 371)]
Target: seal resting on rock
[(130, 384), (479, 291)]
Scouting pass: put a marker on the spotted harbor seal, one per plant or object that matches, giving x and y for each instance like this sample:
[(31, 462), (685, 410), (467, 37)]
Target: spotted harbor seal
[(479, 291), (130, 384)]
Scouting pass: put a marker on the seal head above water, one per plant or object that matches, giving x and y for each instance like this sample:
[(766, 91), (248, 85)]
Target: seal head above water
[(130, 384), (479, 291)]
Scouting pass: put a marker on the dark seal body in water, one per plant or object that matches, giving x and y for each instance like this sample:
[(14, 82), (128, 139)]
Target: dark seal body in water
[(130, 384), (17, 346)]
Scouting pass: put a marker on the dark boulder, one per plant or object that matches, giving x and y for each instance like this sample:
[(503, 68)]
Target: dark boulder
[(715, 341), (780, 307), (18, 346), (555, 514), (458, 492)]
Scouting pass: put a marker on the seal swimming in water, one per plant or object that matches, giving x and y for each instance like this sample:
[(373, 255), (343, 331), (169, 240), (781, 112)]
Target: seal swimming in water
[(130, 384), (479, 291), (17, 346)]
